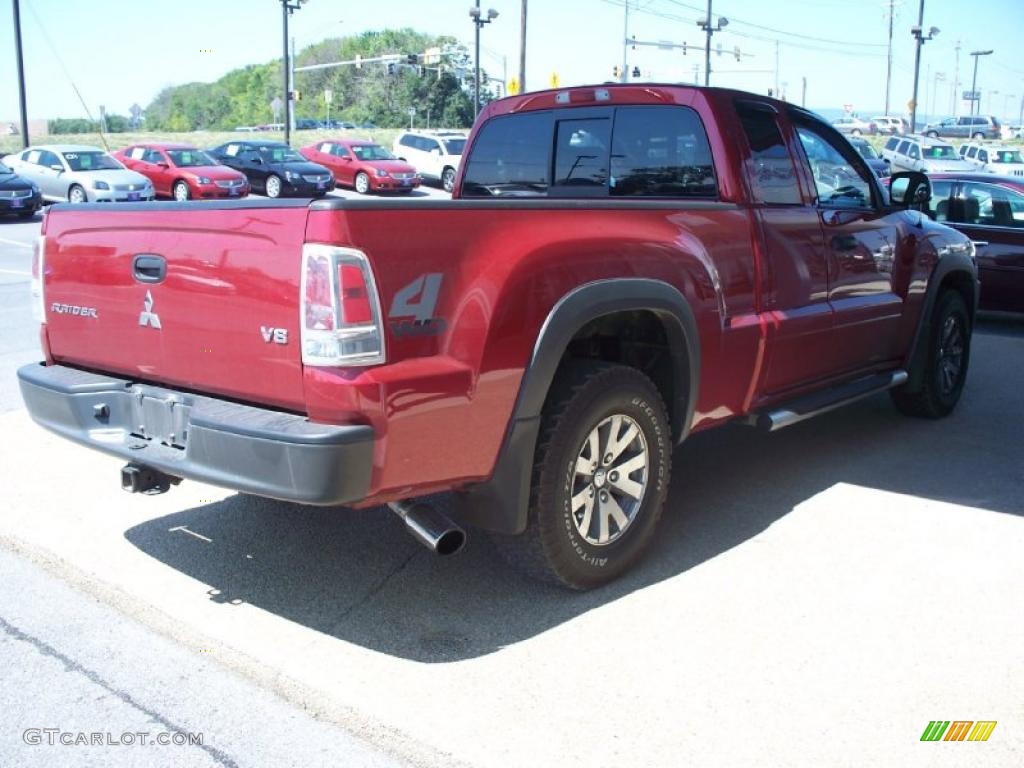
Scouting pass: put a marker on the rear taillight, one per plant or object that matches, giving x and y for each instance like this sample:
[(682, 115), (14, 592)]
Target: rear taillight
[(340, 314), (36, 284)]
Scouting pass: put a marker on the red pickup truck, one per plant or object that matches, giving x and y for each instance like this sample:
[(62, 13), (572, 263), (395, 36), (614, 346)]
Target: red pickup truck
[(621, 266)]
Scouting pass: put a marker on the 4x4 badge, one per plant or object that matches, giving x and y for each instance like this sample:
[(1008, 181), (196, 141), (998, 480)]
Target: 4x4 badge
[(147, 316)]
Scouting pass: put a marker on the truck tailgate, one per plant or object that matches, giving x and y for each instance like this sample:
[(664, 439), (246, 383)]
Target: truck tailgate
[(224, 317)]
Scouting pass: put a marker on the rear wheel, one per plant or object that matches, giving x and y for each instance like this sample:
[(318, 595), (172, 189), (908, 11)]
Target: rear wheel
[(77, 195), (362, 183), (856, 132), (932, 134), (181, 191), (946, 360), (599, 480), (979, 136), (273, 186), (448, 179)]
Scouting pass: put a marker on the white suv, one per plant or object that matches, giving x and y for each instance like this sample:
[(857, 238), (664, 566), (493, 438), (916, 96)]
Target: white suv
[(994, 158), (924, 154), (434, 154)]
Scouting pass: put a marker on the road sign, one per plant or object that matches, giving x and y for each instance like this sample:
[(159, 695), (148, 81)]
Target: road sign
[(275, 107), (328, 95), (972, 95), (513, 86), (911, 105), (553, 82), (359, 61), (411, 111)]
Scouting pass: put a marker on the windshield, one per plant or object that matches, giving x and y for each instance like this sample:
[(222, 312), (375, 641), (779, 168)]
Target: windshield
[(371, 152), (91, 161), (941, 152), (190, 158), (455, 146), (1006, 156), (866, 150), (281, 155)]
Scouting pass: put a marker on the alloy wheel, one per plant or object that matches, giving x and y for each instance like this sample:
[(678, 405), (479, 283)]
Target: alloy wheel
[(609, 479)]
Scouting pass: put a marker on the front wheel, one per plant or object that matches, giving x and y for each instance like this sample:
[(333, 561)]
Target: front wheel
[(273, 186), (448, 179), (362, 183), (948, 353), (856, 132), (932, 134), (600, 477), (77, 195), (181, 191), (979, 136)]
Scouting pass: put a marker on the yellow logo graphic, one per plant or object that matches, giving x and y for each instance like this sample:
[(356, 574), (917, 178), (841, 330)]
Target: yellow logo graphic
[(959, 730)]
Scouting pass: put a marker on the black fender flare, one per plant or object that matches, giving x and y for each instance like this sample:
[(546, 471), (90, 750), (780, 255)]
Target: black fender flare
[(500, 504), (949, 263)]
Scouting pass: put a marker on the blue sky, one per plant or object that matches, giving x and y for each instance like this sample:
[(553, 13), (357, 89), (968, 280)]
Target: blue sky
[(124, 51)]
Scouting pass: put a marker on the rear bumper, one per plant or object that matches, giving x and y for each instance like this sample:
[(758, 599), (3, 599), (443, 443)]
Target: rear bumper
[(241, 447)]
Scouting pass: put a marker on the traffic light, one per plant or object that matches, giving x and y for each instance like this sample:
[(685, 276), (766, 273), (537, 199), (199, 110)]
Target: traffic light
[(616, 71), (636, 72), (736, 52), (684, 47), (412, 58), (296, 95), (391, 67)]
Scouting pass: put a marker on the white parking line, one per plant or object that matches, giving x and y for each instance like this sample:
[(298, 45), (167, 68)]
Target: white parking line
[(16, 242)]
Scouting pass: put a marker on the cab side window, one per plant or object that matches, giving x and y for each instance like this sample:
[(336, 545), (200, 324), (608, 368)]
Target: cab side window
[(991, 205), (660, 152), (939, 205), (839, 176), (769, 166)]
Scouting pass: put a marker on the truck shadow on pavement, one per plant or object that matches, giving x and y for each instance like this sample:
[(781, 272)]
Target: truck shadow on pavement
[(357, 576)]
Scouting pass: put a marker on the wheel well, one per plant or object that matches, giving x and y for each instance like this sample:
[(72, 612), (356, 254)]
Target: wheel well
[(636, 338), (962, 283)]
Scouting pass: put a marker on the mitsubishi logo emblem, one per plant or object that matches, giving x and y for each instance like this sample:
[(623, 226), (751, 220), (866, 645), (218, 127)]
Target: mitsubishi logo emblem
[(147, 316)]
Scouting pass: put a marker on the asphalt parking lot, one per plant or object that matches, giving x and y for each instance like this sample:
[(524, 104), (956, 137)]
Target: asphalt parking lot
[(814, 597)]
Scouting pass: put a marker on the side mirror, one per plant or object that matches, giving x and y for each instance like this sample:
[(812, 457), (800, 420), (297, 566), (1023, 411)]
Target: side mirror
[(910, 190)]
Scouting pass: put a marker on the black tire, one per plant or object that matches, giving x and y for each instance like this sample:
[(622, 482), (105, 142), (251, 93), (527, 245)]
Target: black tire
[(857, 132), (941, 387), (362, 184), (932, 134), (77, 194), (585, 396), (979, 136), (448, 179)]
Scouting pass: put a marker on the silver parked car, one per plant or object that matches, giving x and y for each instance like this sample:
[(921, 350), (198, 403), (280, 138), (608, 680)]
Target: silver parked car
[(79, 174)]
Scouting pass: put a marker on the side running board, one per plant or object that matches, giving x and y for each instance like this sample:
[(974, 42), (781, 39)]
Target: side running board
[(826, 400)]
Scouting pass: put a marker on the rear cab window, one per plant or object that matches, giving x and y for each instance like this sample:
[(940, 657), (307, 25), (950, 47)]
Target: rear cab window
[(642, 151)]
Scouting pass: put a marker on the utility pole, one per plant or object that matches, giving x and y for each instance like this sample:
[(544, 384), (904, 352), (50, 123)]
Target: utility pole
[(624, 74), (803, 93), (21, 76), (522, 50), (776, 69), (291, 85), (888, 68), (954, 107)]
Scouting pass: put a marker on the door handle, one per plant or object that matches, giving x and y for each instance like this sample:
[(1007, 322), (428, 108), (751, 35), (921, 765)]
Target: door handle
[(979, 243), (149, 268)]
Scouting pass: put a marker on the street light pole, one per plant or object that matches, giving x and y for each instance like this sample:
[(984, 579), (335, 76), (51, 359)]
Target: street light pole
[(478, 23), (708, 32), (974, 80), (921, 38), (287, 8), (21, 76)]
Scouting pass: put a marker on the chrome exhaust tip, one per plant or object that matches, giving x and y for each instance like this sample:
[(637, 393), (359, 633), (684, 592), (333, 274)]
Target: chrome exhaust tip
[(432, 528)]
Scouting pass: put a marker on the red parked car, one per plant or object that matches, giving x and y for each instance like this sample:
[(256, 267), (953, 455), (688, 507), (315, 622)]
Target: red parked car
[(183, 172), (363, 165)]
